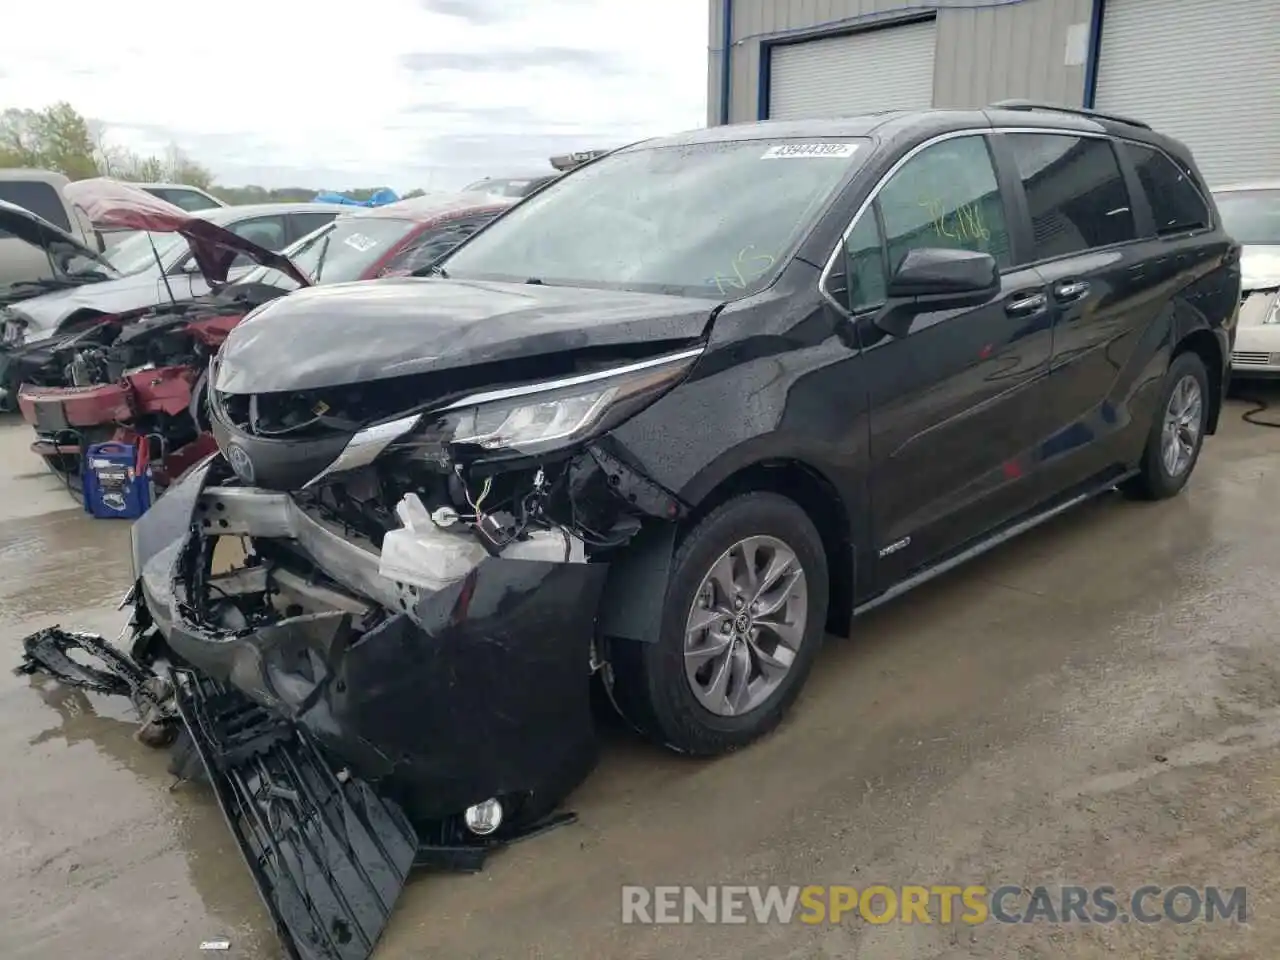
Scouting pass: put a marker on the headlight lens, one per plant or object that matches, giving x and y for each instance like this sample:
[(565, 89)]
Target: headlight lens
[(534, 419)]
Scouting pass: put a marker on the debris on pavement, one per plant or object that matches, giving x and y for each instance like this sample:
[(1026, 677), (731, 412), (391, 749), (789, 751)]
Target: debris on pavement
[(49, 652)]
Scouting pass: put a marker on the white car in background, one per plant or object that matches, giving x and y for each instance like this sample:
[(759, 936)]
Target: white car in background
[(155, 268), (179, 194), (183, 196), (1251, 214)]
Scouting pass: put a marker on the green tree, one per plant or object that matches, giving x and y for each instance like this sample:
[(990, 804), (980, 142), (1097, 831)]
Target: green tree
[(59, 138), (55, 138)]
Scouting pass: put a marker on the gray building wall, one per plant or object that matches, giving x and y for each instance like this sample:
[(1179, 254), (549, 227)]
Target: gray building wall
[(987, 50)]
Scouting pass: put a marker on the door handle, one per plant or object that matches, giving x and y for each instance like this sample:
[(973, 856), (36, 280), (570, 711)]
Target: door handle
[(1070, 290), (1026, 305)]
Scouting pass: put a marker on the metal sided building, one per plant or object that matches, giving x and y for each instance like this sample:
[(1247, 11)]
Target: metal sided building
[(1205, 71)]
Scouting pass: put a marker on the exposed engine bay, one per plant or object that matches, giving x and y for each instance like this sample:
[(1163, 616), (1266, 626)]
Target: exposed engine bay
[(134, 378), (111, 348)]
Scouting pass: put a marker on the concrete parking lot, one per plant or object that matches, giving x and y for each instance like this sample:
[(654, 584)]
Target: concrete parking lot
[(1098, 703)]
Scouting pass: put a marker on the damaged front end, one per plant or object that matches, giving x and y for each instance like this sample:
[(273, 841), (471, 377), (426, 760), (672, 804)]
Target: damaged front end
[(389, 608)]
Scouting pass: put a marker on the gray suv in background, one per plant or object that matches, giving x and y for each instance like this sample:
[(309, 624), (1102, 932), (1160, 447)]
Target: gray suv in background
[(39, 191)]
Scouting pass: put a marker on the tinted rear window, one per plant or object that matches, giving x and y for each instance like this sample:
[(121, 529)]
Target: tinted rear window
[(1176, 203), (40, 198)]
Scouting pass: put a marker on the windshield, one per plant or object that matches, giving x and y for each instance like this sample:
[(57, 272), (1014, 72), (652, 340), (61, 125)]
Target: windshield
[(1251, 216), (75, 263), (713, 219), (135, 255), (339, 252)]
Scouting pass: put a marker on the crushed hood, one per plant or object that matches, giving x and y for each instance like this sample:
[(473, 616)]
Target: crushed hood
[(362, 332), (110, 203), (1260, 267)]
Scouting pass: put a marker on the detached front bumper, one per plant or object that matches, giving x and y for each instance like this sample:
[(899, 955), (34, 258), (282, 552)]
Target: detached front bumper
[(444, 699), (54, 409)]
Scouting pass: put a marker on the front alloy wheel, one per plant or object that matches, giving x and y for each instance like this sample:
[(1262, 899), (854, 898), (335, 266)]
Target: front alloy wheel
[(746, 626), (742, 620)]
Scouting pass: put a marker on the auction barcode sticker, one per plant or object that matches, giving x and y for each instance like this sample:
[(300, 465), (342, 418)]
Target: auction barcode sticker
[(789, 151)]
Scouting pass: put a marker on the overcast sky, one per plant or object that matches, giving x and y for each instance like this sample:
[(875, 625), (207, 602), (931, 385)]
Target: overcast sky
[(402, 93)]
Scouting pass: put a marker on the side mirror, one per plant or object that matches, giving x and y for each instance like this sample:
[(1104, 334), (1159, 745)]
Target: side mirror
[(942, 272), (937, 278)]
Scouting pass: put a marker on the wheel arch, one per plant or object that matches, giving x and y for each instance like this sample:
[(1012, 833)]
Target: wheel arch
[(80, 319), (814, 493), (1204, 344), (642, 571)]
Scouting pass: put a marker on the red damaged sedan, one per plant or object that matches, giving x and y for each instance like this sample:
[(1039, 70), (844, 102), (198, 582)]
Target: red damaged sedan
[(140, 380)]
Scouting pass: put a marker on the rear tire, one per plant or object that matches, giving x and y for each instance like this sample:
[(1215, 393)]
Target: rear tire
[(767, 629), (1177, 433)]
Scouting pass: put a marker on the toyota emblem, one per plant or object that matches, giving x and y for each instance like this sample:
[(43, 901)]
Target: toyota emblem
[(240, 462)]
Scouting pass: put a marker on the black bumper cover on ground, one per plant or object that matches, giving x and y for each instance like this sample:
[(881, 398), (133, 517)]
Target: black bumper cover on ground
[(328, 855)]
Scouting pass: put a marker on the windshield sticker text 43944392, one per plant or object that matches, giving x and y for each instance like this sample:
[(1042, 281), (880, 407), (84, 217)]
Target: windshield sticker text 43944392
[(799, 151)]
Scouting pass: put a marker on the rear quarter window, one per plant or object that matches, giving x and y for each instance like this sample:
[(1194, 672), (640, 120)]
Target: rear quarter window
[(1075, 193), (1176, 203), (40, 198)]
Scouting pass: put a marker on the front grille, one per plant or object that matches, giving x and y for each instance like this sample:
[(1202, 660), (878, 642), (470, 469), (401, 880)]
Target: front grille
[(1258, 359)]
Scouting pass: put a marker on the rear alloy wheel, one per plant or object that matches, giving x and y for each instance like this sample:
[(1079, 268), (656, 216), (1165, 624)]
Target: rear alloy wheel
[(742, 620), (1177, 435)]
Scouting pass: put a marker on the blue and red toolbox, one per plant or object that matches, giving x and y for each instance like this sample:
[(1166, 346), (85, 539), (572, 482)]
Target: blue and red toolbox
[(117, 480)]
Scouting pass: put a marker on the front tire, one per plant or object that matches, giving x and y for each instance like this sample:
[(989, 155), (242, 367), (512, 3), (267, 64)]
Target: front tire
[(743, 617), (1177, 435)]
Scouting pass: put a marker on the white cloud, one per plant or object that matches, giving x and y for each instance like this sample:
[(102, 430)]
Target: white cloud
[(409, 93)]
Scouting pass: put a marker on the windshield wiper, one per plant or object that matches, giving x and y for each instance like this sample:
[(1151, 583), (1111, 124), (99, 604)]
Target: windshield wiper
[(435, 270)]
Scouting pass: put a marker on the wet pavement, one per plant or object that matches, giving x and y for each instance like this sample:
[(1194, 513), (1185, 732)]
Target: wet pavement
[(1097, 703)]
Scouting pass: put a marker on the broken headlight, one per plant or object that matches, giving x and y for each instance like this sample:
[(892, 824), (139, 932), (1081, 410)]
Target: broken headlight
[(535, 418)]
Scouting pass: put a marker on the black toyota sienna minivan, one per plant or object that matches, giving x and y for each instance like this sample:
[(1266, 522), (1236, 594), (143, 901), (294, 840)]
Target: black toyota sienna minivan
[(667, 422)]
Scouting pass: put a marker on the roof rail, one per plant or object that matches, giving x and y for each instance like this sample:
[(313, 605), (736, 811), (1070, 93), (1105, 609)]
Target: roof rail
[(1058, 108)]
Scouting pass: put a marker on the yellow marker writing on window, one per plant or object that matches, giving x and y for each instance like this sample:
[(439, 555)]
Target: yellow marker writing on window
[(747, 266)]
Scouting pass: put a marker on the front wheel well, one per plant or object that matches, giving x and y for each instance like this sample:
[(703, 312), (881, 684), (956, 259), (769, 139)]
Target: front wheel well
[(80, 320), (1205, 345), (817, 497)]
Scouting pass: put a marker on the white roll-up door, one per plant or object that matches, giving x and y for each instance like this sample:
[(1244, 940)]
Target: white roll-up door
[(887, 69), (1204, 71)]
